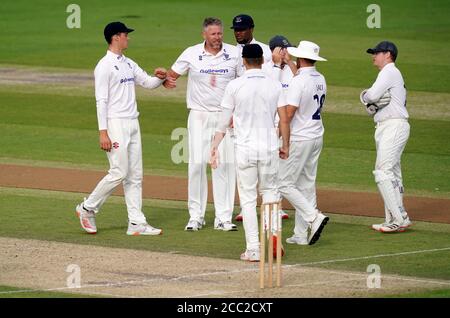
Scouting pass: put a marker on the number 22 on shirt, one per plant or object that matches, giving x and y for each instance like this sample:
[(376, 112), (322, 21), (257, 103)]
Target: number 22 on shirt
[(320, 100)]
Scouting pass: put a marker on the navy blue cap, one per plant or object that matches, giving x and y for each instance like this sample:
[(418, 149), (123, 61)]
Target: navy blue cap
[(384, 46), (242, 21), (252, 51), (279, 41), (115, 28)]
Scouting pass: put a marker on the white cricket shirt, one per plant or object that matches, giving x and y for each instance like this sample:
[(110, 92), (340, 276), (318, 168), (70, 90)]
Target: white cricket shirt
[(208, 75), (307, 91), (283, 75), (389, 78), (267, 54), (254, 99), (115, 77)]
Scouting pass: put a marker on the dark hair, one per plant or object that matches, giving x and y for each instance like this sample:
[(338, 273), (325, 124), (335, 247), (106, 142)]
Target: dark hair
[(393, 56), (211, 21), (254, 61), (310, 61)]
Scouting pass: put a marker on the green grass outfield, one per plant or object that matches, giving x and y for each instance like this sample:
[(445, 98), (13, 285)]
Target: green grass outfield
[(61, 130), (36, 34)]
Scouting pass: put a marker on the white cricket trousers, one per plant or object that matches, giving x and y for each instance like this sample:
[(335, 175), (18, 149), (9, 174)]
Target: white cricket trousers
[(297, 181), (250, 173), (202, 128), (125, 161), (391, 136)]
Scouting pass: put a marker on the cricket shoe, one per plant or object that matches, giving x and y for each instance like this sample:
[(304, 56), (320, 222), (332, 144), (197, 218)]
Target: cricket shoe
[(142, 229), (275, 242), (224, 226), (377, 227), (194, 225), (284, 215), (406, 223), (299, 240), (87, 218), (250, 255), (317, 227), (238, 217), (391, 228)]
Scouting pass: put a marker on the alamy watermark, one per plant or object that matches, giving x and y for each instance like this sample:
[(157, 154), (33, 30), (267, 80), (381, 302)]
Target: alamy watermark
[(374, 19), (74, 279), (374, 277), (73, 21)]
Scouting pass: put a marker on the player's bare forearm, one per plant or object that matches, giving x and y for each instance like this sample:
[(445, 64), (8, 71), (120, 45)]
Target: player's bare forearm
[(105, 142), (285, 131), (214, 158)]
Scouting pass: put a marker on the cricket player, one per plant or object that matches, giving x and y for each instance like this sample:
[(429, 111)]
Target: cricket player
[(253, 100), (297, 175), (243, 26), (282, 69), (210, 66), (115, 78), (386, 102)]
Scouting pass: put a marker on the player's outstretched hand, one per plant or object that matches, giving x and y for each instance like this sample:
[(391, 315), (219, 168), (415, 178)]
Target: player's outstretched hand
[(160, 73)]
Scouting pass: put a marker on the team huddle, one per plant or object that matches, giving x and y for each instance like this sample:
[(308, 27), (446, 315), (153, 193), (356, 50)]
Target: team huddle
[(255, 118)]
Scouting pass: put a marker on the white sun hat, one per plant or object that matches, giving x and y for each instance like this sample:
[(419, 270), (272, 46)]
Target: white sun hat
[(306, 50)]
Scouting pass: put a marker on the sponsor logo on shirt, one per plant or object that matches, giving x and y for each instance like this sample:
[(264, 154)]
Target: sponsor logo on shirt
[(124, 80), (284, 85), (214, 71)]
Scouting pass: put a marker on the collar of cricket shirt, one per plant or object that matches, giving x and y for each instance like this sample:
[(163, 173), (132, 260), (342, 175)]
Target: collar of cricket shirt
[(223, 51), (116, 57), (306, 69)]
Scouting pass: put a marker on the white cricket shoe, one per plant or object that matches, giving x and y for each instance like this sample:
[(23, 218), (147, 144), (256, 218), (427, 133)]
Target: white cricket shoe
[(250, 255), (406, 223), (390, 228), (87, 219), (377, 227), (316, 228), (299, 240), (142, 229), (194, 225), (224, 226)]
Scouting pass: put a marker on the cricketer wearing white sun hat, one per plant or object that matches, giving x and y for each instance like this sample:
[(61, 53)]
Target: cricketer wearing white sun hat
[(306, 50), (297, 174)]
